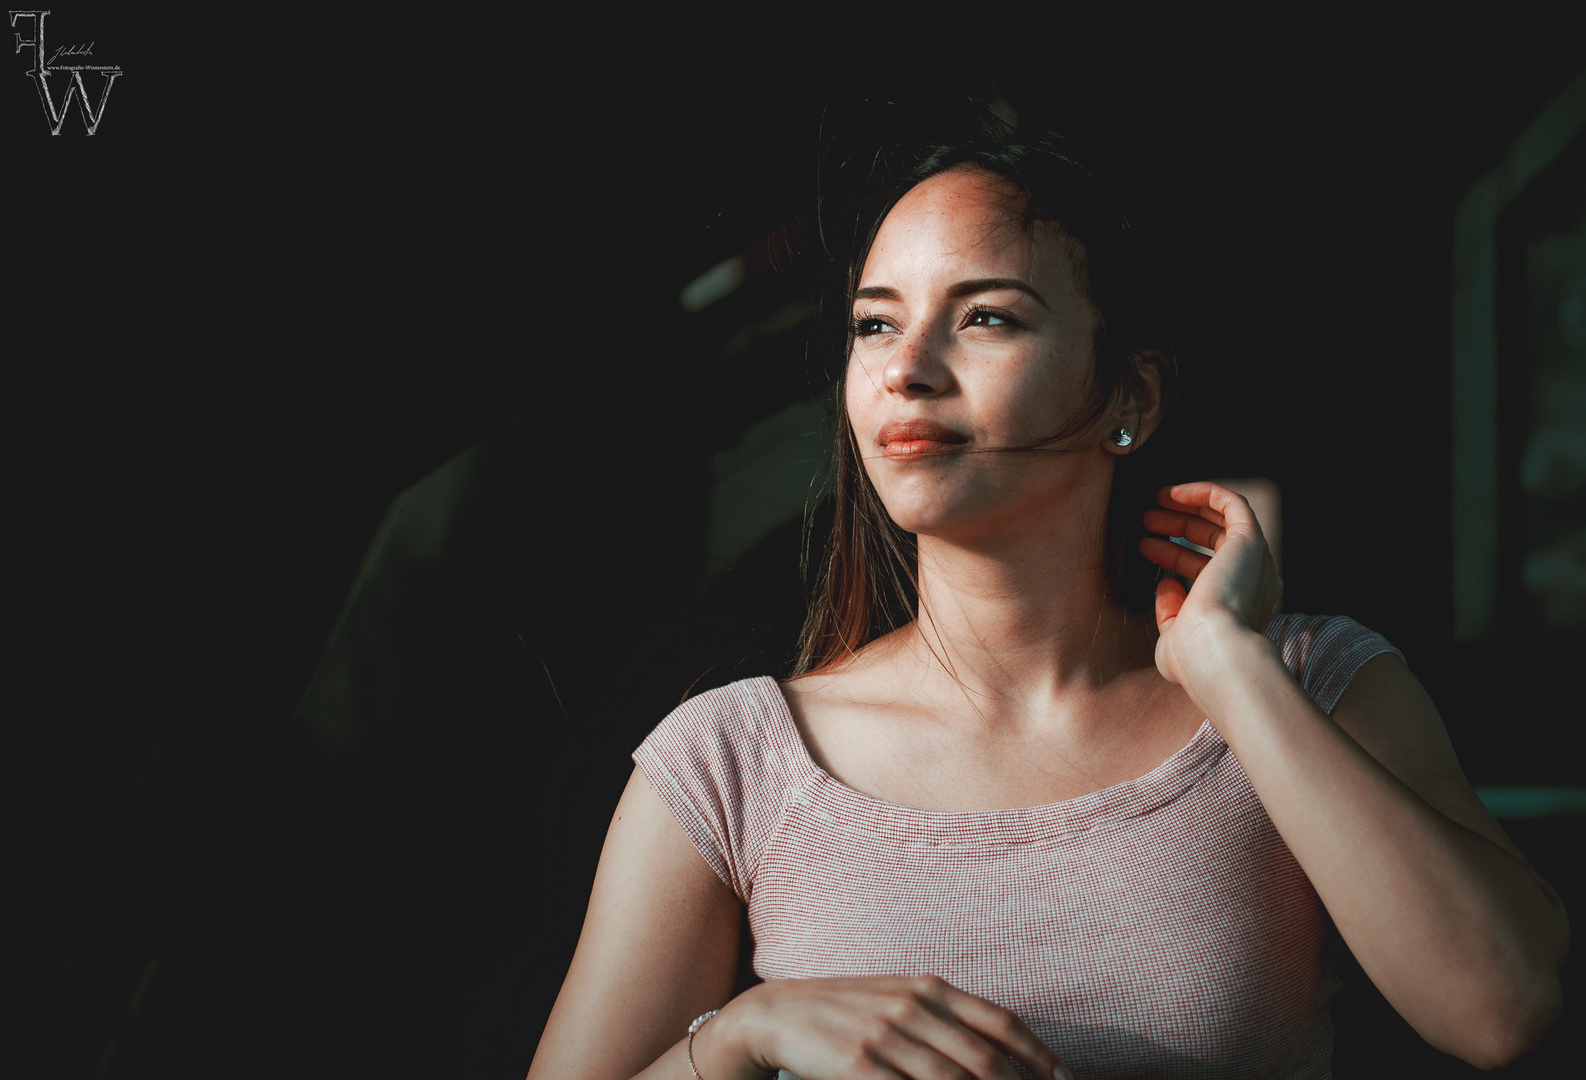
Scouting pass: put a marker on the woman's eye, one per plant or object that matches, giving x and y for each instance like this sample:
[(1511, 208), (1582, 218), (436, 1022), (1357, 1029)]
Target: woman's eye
[(870, 327), (985, 318)]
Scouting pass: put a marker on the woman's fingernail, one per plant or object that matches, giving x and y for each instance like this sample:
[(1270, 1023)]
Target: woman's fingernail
[(1060, 1073)]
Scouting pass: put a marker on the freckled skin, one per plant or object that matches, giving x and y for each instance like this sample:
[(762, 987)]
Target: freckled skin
[(997, 365)]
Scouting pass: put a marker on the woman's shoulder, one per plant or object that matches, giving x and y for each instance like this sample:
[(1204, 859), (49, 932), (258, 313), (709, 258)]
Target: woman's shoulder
[(744, 704), (726, 763), (1323, 652), (735, 722)]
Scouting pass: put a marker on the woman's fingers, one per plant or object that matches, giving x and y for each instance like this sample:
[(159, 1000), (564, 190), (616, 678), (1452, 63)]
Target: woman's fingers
[(1175, 558), (1170, 597), (1217, 504), (922, 1028), (931, 1047), (1197, 530), (1003, 1032), (1195, 502)]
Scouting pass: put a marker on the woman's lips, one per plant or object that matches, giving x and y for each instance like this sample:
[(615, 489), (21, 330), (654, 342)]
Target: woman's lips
[(911, 438)]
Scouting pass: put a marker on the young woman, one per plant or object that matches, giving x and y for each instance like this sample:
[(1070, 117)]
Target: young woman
[(1034, 827)]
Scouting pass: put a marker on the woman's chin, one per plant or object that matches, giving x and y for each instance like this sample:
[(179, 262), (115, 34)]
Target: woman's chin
[(965, 515), (941, 523), (922, 514)]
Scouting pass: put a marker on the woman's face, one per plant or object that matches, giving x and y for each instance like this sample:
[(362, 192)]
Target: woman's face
[(970, 334)]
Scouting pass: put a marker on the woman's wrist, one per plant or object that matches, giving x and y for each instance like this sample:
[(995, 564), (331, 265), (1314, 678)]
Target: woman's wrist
[(725, 1047), (1228, 659)]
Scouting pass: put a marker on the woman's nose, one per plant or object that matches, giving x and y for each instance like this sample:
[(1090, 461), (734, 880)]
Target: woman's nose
[(915, 368)]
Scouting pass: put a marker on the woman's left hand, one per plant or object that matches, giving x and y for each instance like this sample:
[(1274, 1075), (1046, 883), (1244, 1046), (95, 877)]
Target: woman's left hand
[(1236, 588)]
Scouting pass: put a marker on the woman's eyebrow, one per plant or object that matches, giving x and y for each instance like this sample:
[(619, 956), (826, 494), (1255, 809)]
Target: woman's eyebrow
[(877, 292), (969, 288), (963, 288)]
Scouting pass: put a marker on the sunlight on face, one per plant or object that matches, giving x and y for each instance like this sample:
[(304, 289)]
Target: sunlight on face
[(970, 334)]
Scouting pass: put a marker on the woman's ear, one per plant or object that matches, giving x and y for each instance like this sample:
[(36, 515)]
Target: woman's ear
[(1138, 411)]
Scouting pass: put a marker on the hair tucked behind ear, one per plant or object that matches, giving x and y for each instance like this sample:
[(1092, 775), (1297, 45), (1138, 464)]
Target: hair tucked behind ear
[(867, 583)]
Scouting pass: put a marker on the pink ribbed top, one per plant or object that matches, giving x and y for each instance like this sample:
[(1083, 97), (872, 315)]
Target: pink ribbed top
[(1158, 927)]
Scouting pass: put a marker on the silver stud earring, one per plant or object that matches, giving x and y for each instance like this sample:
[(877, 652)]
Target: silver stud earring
[(1121, 437)]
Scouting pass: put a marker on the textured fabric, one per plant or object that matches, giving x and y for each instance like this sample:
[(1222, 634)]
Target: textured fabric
[(1158, 927)]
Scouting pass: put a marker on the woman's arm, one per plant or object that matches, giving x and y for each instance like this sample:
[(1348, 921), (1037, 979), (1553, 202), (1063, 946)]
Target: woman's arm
[(659, 948), (1449, 921)]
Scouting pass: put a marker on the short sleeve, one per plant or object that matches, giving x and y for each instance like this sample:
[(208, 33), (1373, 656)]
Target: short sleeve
[(1323, 652), (713, 766)]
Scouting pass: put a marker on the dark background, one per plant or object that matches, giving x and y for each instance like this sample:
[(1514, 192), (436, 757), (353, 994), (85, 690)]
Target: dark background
[(311, 257)]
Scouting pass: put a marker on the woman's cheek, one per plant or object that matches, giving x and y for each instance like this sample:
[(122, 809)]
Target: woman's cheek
[(863, 373), (1052, 400), (859, 395)]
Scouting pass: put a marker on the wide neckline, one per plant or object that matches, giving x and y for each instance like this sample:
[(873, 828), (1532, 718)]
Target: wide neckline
[(830, 797)]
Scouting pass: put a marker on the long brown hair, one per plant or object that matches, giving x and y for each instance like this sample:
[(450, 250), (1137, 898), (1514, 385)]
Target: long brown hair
[(867, 584)]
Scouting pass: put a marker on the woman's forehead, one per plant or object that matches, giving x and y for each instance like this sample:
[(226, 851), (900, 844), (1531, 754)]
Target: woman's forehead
[(969, 218), (975, 199)]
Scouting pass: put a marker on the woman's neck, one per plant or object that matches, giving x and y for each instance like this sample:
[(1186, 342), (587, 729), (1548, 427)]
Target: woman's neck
[(1025, 622)]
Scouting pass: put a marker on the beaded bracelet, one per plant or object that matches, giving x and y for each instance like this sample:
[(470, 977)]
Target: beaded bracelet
[(695, 1026)]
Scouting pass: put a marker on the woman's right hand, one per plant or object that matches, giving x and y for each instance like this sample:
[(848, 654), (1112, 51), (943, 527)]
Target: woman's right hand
[(919, 1028)]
